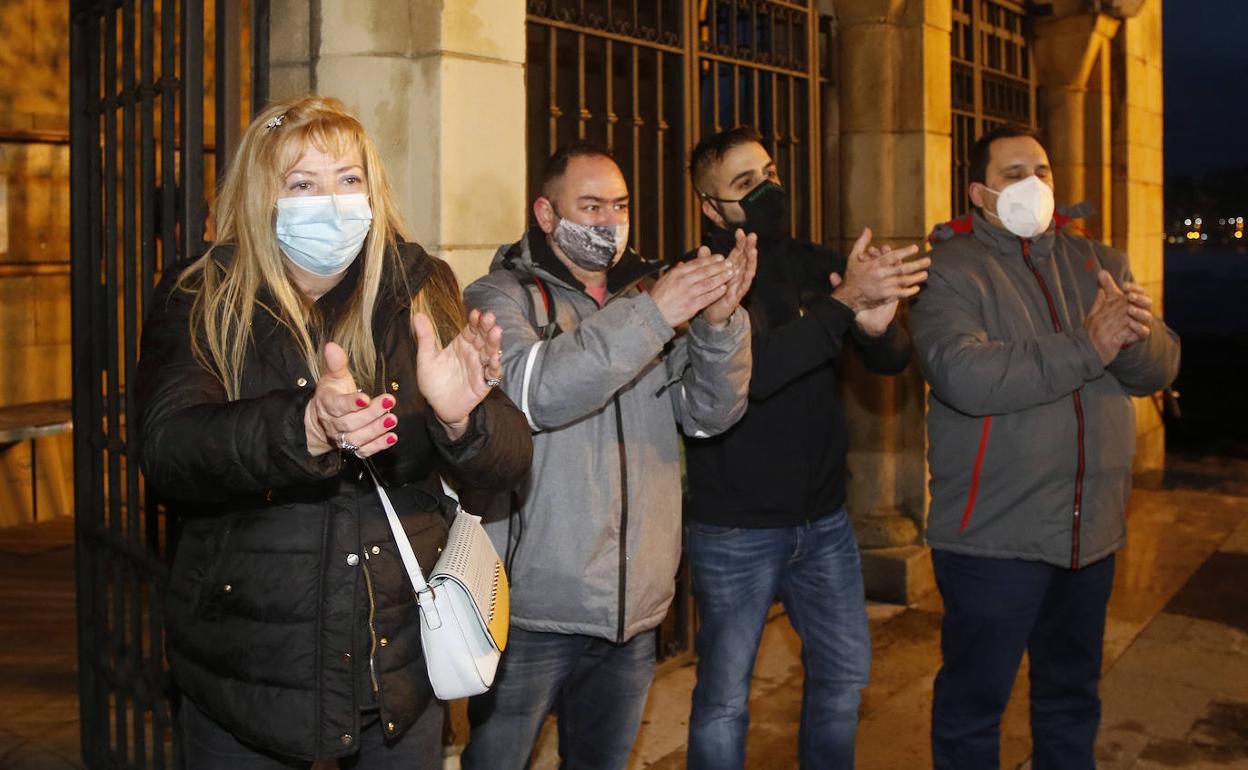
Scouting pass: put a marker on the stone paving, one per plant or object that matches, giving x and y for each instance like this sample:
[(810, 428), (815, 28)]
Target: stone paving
[(1175, 691), (1176, 654)]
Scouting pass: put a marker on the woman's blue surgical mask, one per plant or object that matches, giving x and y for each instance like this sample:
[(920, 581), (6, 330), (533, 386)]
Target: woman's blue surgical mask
[(323, 234)]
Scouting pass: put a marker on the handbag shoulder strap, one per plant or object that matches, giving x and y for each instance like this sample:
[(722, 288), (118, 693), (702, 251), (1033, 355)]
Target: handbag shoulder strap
[(449, 491), (400, 536)]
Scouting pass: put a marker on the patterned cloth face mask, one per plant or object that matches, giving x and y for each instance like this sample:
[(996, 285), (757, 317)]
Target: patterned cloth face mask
[(591, 247)]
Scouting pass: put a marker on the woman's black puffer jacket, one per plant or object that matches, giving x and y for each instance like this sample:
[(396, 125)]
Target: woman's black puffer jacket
[(288, 611)]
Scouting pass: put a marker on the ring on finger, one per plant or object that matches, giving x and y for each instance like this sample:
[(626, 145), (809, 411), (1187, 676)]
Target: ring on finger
[(345, 445)]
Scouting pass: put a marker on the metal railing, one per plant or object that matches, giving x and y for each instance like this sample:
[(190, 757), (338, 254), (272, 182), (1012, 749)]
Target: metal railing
[(137, 193), (647, 78), (993, 78)]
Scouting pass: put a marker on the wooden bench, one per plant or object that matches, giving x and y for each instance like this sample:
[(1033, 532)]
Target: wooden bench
[(28, 422)]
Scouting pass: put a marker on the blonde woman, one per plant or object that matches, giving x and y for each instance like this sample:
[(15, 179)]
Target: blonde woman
[(305, 343)]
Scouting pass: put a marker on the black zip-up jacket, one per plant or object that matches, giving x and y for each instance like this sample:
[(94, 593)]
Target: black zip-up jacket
[(287, 609), (784, 463)]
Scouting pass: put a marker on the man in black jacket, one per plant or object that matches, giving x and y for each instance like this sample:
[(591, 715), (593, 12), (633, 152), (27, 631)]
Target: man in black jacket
[(767, 498)]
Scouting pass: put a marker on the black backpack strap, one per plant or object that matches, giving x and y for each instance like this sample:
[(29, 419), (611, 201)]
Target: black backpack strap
[(541, 306), (541, 303)]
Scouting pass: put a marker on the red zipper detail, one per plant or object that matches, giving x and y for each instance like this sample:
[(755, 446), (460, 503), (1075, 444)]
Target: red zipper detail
[(1077, 514), (979, 464)]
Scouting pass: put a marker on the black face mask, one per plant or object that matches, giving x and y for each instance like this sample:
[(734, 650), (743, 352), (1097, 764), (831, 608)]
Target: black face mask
[(766, 210)]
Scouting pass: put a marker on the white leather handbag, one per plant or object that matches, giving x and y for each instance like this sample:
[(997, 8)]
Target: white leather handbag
[(463, 605)]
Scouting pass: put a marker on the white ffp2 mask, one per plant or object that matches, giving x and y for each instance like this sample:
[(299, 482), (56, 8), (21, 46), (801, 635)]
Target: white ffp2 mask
[(1025, 207)]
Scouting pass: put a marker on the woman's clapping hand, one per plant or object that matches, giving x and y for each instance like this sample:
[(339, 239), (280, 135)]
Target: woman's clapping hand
[(341, 417), (455, 378)]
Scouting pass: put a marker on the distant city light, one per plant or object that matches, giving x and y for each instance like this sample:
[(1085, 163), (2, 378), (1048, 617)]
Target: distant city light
[(1239, 220), (1198, 220), (1187, 222), (1239, 233), (1221, 221), (1204, 236)]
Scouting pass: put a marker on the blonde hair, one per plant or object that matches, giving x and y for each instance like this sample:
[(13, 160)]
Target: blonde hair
[(227, 295)]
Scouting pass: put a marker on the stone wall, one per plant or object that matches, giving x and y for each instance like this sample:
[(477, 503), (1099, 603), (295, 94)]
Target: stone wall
[(34, 243), (440, 87), (1138, 178)]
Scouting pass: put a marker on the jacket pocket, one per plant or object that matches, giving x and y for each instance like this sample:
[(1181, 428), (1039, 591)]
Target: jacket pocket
[(210, 592)]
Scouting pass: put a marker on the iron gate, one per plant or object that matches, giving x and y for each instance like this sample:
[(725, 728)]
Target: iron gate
[(993, 79), (646, 79), (139, 165)]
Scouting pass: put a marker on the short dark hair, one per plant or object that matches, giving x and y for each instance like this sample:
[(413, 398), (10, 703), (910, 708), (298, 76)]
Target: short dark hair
[(982, 148), (557, 165), (712, 150)]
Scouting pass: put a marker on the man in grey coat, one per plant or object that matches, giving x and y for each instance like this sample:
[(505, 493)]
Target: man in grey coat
[(1033, 340), (605, 373)]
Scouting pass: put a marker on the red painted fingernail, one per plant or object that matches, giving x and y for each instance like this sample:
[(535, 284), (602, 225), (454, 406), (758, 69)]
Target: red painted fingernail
[(387, 402), (388, 422), (361, 402), (391, 439)]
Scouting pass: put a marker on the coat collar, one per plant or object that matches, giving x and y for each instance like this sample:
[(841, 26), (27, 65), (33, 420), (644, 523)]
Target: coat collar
[(1003, 243), (409, 269), (533, 253)]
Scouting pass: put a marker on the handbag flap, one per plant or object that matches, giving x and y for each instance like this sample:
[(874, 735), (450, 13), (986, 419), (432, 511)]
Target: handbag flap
[(469, 559)]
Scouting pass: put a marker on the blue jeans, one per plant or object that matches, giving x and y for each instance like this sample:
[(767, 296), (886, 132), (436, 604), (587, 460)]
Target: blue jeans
[(597, 688), (737, 573), (995, 609)]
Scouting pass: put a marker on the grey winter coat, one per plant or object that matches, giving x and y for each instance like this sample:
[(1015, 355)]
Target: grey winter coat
[(1030, 438), (595, 543)]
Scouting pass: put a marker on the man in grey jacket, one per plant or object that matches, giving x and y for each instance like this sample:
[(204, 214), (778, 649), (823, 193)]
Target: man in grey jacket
[(593, 547), (1033, 340)]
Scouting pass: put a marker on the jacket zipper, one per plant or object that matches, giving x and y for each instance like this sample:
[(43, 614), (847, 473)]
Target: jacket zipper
[(372, 630), (623, 590), (1077, 514)]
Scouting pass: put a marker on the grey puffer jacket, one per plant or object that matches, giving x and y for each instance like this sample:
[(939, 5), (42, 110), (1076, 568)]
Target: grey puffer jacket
[(595, 543), (1030, 438)]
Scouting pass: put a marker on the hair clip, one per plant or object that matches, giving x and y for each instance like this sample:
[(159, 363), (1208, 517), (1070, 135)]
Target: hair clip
[(275, 121)]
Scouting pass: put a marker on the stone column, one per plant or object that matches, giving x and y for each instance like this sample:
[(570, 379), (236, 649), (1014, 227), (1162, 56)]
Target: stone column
[(895, 158), (406, 67), (1103, 119), (1073, 69), (1138, 176)]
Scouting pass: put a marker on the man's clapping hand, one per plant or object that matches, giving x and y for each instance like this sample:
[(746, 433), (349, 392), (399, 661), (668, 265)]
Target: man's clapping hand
[(1117, 318)]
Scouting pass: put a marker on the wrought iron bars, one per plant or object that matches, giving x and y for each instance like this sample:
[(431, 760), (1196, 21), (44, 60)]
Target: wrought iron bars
[(758, 64), (992, 78), (612, 72), (136, 74)]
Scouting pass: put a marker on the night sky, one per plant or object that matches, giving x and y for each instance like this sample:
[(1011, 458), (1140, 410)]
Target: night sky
[(1206, 80)]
